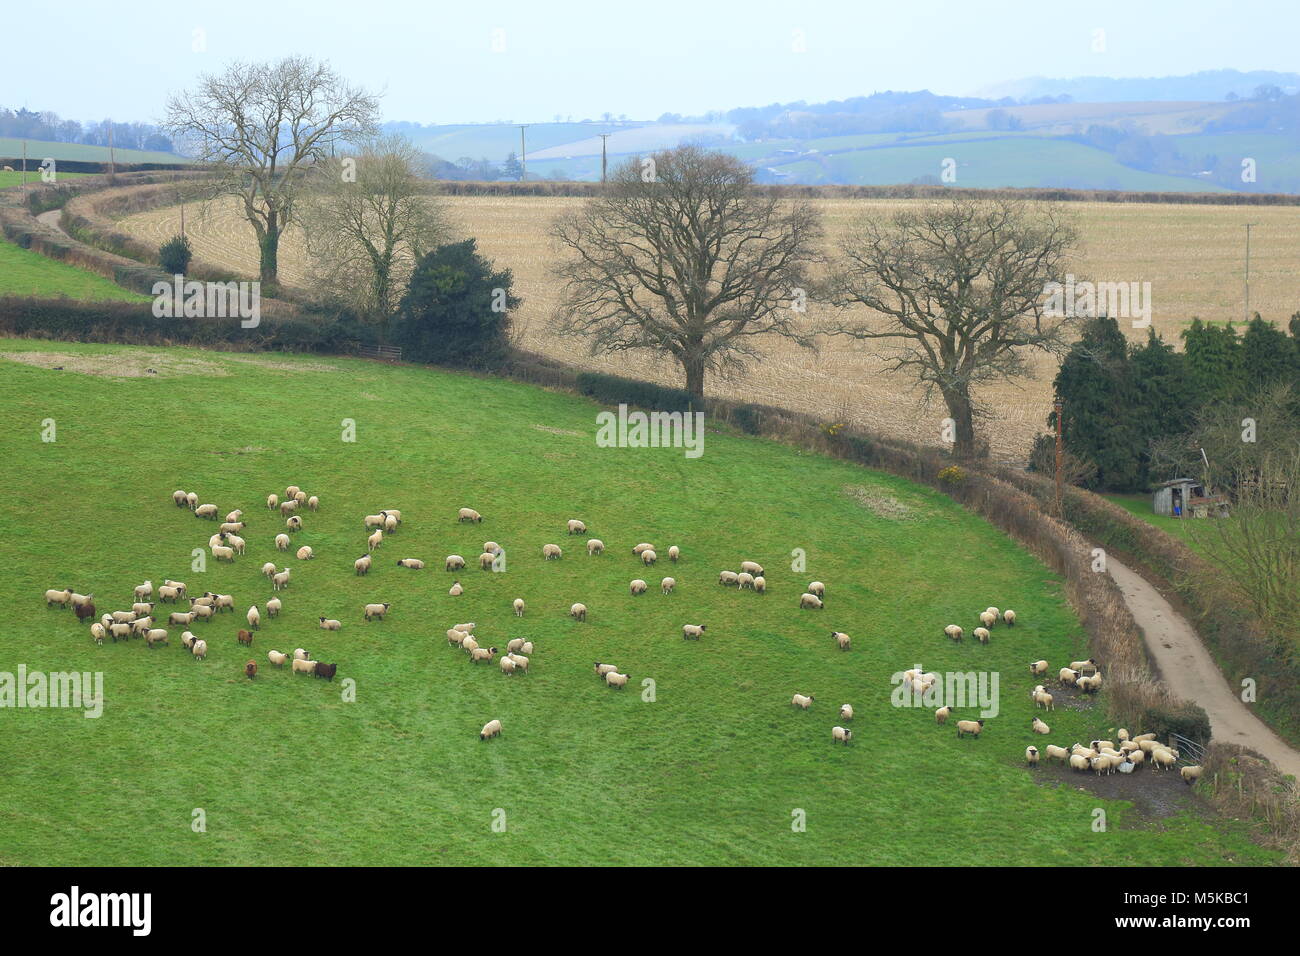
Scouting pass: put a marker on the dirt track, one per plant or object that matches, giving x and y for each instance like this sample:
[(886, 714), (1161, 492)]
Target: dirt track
[(1189, 670)]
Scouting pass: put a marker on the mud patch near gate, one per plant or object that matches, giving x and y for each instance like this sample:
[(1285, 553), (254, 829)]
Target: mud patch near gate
[(1155, 793), (120, 364)]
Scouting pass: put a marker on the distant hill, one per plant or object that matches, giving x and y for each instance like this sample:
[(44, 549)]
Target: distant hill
[(1206, 85), (39, 149)]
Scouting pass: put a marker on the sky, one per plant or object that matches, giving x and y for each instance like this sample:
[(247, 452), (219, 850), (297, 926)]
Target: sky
[(529, 61)]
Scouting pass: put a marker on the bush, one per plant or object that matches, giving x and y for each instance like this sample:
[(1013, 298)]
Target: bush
[(175, 254), (1185, 718), (456, 310), (952, 475), (616, 390), (748, 418)]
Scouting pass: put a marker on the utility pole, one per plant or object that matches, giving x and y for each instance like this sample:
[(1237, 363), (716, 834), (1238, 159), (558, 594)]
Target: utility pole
[(603, 137), (112, 161), (1248, 225), (523, 162), (1059, 406), (24, 167)]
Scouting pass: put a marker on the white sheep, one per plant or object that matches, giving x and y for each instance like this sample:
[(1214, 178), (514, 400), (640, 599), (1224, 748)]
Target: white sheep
[(526, 648), (300, 654), (273, 607), (1010, 617), (613, 679), (802, 702), (141, 607), (595, 546), (1044, 700), (254, 617), (519, 607), (648, 557), (1068, 676), (550, 552), (842, 640), (280, 580), (181, 618), (643, 546), (728, 577), (304, 667), (486, 560), (292, 491), (954, 632), (313, 503), (745, 580), (507, 665), (693, 632), (942, 714), (362, 564), (294, 523), (674, 553), (231, 527), (810, 600), (200, 649), (515, 644), (576, 526), (276, 658), (578, 612), (456, 589), (455, 563), (455, 638), (187, 640), (168, 594), (376, 610), (1084, 667), (468, 644), (144, 591), (1031, 755), (760, 584), (179, 499), (467, 627), (288, 508), (53, 597), (667, 585), (390, 523), (482, 654), (1038, 667), (521, 661), (469, 514), (206, 511), (272, 502), (98, 632), (119, 630), (223, 553), (846, 711), (972, 727), (840, 735), (268, 569), (282, 542), (1057, 753), (415, 564), (491, 729), (1190, 774), (1039, 727), (375, 540), (981, 634), (638, 586), (374, 521), (305, 553), (752, 567), (817, 588)]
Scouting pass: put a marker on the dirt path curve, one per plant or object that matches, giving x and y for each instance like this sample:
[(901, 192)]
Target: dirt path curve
[(51, 219), (1189, 670)]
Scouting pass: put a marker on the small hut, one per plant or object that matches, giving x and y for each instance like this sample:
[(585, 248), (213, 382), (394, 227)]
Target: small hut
[(1187, 498)]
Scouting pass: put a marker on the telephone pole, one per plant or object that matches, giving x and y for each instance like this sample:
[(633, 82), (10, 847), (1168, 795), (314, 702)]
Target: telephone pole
[(1059, 406), (1248, 225), (603, 137), (523, 162)]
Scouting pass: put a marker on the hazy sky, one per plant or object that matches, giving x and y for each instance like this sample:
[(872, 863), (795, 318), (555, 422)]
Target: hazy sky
[(435, 61)]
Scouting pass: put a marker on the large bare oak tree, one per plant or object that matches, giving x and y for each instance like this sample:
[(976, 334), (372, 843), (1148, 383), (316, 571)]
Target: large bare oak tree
[(958, 288), (681, 255), (261, 125)]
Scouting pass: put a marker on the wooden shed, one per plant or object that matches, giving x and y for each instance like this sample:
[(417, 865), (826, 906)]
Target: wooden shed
[(1187, 498)]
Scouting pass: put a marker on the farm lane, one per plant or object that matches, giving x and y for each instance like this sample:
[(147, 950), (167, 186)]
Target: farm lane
[(1186, 666)]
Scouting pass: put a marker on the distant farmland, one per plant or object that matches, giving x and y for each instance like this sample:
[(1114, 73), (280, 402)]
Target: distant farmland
[(1191, 255)]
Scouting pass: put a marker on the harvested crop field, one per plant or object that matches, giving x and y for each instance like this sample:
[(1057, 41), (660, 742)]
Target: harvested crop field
[(1193, 256)]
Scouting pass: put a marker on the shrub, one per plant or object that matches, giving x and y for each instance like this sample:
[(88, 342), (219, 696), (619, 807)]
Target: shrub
[(616, 390), (175, 254), (952, 475), (456, 310), (748, 418), (1180, 717)]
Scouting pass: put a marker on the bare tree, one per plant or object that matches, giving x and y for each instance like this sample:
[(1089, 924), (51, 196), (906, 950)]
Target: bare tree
[(680, 255), (959, 287), (369, 216), (261, 125)]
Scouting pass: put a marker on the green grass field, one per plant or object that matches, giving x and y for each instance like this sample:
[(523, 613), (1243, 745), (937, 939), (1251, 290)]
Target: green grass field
[(33, 177), (287, 771), (79, 152), (1200, 536), (23, 272)]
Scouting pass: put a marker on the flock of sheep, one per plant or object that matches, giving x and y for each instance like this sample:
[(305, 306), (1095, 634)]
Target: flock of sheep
[(1101, 756)]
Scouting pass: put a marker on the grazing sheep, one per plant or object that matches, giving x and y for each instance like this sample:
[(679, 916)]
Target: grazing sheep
[(468, 627), (206, 511), (187, 640), (268, 569), (486, 560), (942, 714), (217, 539), (1190, 774), (415, 564), (643, 546), (1121, 735), (192, 500), (578, 612), (840, 735), (674, 553), (810, 601), (613, 679), (168, 594), (375, 521), (456, 589), (745, 580), (603, 669), (120, 629), (527, 648), (455, 563), (455, 638), (1010, 617), (300, 654), (693, 632), (972, 727), (667, 585), (292, 491), (992, 610), (1162, 759), (204, 612), (300, 496), (987, 619), (62, 598), (245, 637), (141, 624), (519, 607), (223, 553), (376, 610), (595, 546), (1039, 727), (1084, 667), (802, 702), (305, 553), (648, 557), (521, 661), (1031, 756), (142, 591), (1057, 753), (254, 617), (760, 584), (200, 649), (482, 654), (1044, 700), (551, 551), (752, 567), (842, 640), (469, 645), (576, 526), (953, 632), (282, 542), (1079, 762), (817, 588), (1038, 667), (362, 564), (981, 634), (469, 514), (276, 658), (98, 632), (223, 601), (273, 607), (80, 600), (304, 667), (272, 502), (375, 540), (394, 512), (1068, 676), (514, 645), (294, 523), (1089, 685), (491, 729), (728, 578), (638, 586), (155, 637), (280, 580), (846, 711), (231, 527), (507, 666), (313, 503), (390, 523), (1140, 737), (179, 499), (140, 608), (288, 507), (182, 618)]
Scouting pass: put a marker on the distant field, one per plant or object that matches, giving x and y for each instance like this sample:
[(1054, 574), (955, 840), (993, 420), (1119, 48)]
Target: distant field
[(33, 177), (23, 272), (39, 149)]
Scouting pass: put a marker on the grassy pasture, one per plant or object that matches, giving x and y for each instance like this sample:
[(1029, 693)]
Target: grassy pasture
[(23, 272), (1191, 255), (80, 152), (286, 771), (15, 178)]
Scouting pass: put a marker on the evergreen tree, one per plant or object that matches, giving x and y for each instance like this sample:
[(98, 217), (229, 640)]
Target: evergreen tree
[(1214, 363), (1268, 356)]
